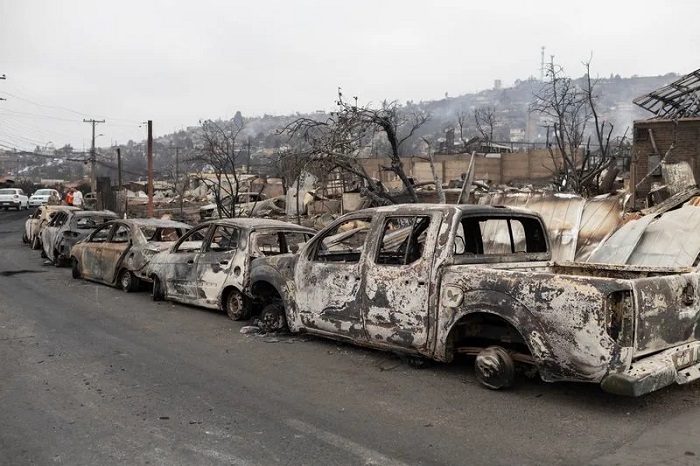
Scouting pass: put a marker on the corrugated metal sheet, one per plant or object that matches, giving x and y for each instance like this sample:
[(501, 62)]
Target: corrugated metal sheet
[(576, 226), (666, 240), (601, 216)]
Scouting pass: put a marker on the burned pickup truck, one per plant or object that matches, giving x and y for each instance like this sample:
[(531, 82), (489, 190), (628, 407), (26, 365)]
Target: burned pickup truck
[(435, 281)]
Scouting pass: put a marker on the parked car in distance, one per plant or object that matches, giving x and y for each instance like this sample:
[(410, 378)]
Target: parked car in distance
[(209, 266), (117, 252), (13, 198), (37, 221), (66, 228), (41, 197)]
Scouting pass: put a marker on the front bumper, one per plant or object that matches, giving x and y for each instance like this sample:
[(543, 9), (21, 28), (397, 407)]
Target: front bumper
[(680, 365), (37, 202)]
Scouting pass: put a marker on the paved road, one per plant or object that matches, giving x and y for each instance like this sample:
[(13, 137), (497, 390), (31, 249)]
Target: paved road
[(94, 376)]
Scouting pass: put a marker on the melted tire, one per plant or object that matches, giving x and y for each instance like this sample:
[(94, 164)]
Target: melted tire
[(157, 292), (273, 318), (75, 269)]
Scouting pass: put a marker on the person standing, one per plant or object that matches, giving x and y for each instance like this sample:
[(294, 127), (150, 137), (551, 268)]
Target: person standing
[(69, 196), (78, 198)]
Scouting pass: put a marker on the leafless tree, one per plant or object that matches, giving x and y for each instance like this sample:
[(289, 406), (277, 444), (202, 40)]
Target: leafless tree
[(219, 151), (339, 141), (485, 120), (568, 109)]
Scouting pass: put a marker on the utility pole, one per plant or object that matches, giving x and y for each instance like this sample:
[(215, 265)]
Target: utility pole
[(179, 188), (119, 168), (119, 181), (150, 168), (93, 156)]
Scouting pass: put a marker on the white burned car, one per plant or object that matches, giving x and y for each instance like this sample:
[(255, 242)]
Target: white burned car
[(209, 266), (117, 252)]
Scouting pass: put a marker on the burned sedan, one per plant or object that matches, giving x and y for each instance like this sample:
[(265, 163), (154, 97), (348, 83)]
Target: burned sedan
[(66, 228), (38, 221), (209, 266), (117, 252)]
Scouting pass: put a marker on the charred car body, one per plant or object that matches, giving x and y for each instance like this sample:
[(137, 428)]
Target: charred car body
[(66, 228), (435, 281), (38, 221), (117, 252), (209, 266)]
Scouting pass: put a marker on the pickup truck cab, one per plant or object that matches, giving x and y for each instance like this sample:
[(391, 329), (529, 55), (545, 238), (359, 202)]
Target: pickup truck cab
[(439, 280)]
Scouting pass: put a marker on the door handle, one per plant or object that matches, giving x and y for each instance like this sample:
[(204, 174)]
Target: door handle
[(191, 261), (223, 262)]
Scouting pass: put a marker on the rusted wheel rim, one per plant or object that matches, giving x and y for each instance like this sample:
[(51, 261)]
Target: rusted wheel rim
[(235, 305), (125, 280), (494, 368)]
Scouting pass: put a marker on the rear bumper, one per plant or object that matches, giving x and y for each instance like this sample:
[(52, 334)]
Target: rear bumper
[(10, 203), (680, 365)]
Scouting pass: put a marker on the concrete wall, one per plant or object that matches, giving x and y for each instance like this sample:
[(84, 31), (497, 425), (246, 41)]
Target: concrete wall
[(501, 169)]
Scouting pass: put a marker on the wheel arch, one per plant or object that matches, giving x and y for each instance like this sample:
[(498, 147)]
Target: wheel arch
[(513, 323)]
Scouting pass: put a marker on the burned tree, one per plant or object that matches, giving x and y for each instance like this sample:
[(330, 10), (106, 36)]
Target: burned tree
[(569, 107), (338, 142), (218, 151), (485, 120)]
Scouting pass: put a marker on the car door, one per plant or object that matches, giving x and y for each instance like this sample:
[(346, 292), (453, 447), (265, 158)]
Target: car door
[(180, 265), (328, 279), (48, 235), (220, 255), (113, 251), (397, 281), (91, 252)]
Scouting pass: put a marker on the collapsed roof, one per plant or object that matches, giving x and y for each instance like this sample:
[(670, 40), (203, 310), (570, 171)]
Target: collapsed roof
[(680, 99)]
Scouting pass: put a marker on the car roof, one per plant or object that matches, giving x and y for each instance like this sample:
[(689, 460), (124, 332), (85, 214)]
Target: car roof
[(255, 223), (94, 213), (465, 208), (154, 222)]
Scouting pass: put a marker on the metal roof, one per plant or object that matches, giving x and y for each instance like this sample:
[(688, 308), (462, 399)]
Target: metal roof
[(680, 99)]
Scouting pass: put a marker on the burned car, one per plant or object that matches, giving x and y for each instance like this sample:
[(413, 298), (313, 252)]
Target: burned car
[(117, 252), (208, 267), (436, 281), (38, 220), (66, 228)]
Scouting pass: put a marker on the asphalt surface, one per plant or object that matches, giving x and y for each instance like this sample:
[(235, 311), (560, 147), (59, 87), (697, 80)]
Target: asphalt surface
[(90, 375)]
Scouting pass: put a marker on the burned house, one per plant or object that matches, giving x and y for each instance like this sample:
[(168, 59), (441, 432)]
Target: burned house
[(672, 135)]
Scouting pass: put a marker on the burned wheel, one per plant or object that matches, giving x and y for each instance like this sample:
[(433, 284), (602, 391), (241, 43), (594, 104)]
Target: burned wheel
[(25, 240), (75, 268), (36, 243), (128, 281), (58, 261), (158, 291), (494, 368), (236, 305), (273, 318)]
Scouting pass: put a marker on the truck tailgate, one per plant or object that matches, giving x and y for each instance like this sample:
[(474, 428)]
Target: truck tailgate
[(668, 310)]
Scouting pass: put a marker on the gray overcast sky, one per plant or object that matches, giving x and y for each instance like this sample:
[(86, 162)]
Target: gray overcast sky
[(177, 61)]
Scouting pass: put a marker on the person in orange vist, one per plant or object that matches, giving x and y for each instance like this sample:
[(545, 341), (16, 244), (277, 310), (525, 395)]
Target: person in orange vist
[(69, 196)]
